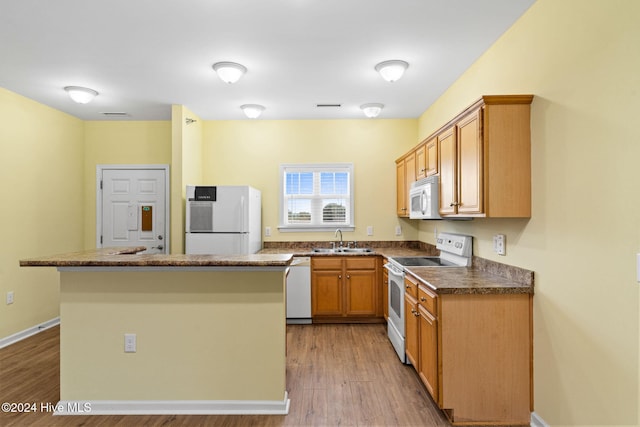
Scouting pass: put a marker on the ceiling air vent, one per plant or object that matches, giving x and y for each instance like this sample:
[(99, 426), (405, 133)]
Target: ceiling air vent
[(115, 114), (328, 105)]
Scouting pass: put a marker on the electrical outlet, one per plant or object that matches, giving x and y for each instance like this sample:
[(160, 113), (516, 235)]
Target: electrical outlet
[(500, 244), (9, 297), (267, 231), (398, 230), (370, 230), (130, 343)]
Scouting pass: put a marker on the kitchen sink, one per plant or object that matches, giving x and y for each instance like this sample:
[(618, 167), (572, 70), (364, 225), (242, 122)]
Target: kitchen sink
[(342, 250)]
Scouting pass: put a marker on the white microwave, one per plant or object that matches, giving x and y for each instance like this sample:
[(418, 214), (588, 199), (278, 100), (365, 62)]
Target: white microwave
[(423, 199)]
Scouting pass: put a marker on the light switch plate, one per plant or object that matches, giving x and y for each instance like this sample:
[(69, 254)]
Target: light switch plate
[(370, 230), (398, 230), (267, 231)]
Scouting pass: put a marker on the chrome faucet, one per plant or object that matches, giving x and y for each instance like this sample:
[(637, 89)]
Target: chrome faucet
[(336, 235)]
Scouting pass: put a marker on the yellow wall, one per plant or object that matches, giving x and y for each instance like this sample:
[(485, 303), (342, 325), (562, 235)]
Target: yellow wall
[(581, 59), (119, 142), (201, 335), (250, 152), (41, 194), (186, 167)]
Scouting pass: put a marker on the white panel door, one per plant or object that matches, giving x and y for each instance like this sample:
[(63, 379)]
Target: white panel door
[(134, 208)]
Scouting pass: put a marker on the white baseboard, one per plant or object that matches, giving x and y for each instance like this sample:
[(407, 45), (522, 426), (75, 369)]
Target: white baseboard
[(19, 336), (537, 421), (172, 407)]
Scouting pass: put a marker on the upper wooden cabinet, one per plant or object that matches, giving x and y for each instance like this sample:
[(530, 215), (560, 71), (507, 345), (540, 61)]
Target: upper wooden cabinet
[(427, 159), (405, 176), (483, 158)]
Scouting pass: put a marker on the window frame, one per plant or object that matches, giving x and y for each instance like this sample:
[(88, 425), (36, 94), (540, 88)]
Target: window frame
[(314, 168)]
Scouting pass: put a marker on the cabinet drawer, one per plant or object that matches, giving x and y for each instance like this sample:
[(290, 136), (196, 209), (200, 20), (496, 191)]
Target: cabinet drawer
[(411, 286), (427, 299), (361, 263), (326, 263)]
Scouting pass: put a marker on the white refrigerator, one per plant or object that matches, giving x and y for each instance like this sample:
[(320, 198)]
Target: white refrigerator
[(223, 220)]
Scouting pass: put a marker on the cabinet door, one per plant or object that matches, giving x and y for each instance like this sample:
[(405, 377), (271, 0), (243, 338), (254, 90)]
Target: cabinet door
[(361, 293), (432, 157), (428, 365), (470, 176), (327, 293), (448, 174), (411, 330), (409, 173), (421, 161), (401, 191)]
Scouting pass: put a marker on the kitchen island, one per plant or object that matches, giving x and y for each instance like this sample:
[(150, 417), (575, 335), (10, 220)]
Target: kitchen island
[(171, 334)]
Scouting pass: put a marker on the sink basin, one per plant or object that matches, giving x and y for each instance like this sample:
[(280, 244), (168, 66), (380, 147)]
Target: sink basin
[(324, 250), (356, 250), (342, 250)]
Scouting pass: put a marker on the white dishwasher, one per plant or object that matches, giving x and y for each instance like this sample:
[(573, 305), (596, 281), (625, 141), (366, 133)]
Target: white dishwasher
[(299, 291)]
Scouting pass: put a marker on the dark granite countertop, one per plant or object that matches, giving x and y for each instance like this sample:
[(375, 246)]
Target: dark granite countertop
[(128, 257), (386, 249), (463, 280), (484, 277)]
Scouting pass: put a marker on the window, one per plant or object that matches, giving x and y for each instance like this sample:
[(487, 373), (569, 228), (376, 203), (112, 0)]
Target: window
[(316, 197)]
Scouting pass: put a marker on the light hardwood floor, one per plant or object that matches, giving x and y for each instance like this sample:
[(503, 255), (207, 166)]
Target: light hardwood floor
[(337, 375)]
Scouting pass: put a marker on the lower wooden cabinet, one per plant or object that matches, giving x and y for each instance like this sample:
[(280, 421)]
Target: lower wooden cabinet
[(411, 325), (428, 351), (473, 352), (345, 289)]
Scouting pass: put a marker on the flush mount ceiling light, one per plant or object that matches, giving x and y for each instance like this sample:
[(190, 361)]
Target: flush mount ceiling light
[(252, 111), (81, 95), (392, 70), (372, 110), (229, 72)]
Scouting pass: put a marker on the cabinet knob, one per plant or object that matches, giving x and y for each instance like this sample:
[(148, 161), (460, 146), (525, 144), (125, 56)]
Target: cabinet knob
[(423, 299), (340, 276), (348, 277), (407, 286)]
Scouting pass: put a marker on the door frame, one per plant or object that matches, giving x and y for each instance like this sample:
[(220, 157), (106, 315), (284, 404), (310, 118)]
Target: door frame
[(167, 200)]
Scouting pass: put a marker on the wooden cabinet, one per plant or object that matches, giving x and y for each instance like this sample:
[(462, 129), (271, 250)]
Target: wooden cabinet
[(427, 159), (483, 158), (345, 288), (474, 353), (411, 324), (432, 157), (428, 341), (421, 161), (460, 149), (405, 176)]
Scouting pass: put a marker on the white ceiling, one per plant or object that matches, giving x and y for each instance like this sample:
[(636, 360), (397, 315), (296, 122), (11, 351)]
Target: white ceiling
[(142, 56)]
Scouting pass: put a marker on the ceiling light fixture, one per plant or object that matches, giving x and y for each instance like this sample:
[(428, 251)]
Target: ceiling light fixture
[(229, 72), (372, 110), (81, 95), (252, 111), (392, 70)]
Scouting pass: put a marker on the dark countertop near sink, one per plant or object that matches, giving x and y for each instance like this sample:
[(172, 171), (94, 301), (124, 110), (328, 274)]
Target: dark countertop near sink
[(128, 257), (483, 277), (386, 249)]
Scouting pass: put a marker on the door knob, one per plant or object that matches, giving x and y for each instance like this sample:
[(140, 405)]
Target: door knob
[(160, 237)]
